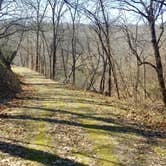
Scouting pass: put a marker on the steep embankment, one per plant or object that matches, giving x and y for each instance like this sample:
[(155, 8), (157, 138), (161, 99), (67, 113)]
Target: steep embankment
[(9, 83)]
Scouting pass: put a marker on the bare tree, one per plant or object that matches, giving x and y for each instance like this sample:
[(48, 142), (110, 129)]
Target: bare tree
[(57, 13), (151, 11), (39, 9), (73, 13), (102, 28)]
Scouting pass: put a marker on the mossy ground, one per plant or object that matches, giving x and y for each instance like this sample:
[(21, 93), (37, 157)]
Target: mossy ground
[(60, 126)]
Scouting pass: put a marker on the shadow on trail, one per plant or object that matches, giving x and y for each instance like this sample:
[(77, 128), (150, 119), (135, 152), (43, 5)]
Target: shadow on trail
[(122, 125), (35, 155), (104, 160), (68, 100), (80, 115), (51, 85), (24, 142), (119, 128)]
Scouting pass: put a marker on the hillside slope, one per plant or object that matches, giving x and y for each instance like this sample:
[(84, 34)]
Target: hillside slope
[(52, 124), (9, 83)]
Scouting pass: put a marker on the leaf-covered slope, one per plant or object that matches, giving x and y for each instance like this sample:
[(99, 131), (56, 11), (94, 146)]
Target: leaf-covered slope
[(9, 83)]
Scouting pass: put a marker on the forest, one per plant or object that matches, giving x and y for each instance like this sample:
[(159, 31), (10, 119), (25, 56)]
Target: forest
[(92, 71)]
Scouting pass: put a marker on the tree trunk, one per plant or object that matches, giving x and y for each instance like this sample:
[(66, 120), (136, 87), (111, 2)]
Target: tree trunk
[(102, 81), (37, 51), (159, 67), (110, 80), (54, 50)]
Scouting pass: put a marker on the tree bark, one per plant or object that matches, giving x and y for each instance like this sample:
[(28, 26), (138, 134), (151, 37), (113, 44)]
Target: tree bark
[(159, 67)]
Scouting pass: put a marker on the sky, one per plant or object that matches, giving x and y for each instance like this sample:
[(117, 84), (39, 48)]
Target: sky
[(132, 18)]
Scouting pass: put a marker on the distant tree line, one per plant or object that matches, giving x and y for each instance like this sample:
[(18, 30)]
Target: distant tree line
[(112, 47)]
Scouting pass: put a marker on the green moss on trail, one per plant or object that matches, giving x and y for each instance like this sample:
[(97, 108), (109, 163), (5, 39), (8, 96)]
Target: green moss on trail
[(160, 151), (41, 139), (103, 146)]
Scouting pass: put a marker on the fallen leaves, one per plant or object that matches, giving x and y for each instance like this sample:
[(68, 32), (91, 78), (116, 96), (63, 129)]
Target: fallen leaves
[(3, 115), (2, 107)]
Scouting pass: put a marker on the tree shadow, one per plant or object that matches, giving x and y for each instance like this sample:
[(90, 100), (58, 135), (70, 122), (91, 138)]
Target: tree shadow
[(101, 159), (48, 84), (24, 142), (70, 100), (115, 127), (128, 126), (35, 155)]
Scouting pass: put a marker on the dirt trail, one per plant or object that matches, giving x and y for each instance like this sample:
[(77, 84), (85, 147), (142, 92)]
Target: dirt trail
[(59, 126)]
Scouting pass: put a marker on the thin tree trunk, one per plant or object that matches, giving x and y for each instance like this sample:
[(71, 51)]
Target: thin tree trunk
[(136, 83), (110, 80), (159, 67), (63, 63), (102, 81)]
